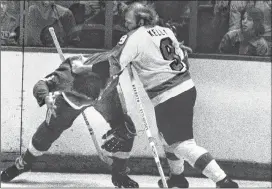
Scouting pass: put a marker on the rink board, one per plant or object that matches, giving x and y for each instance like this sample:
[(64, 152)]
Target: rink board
[(232, 114)]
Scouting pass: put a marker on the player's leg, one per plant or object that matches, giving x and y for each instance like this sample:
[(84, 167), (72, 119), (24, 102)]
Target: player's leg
[(110, 108), (176, 176), (199, 158), (120, 169), (43, 138), (177, 131)]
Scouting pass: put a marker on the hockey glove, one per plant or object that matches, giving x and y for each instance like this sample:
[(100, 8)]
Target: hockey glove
[(50, 102), (116, 140), (77, 63)]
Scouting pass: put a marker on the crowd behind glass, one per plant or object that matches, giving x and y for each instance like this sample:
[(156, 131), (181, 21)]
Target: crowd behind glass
[(229, 27)]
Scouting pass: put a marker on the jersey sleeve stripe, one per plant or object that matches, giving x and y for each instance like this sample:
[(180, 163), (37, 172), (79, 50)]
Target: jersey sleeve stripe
[(167, 85), (175, 91)]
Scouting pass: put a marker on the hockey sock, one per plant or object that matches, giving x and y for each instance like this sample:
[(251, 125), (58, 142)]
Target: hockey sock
[(176, 165), (28, 157), (119, 166), (199, 158), (25, 161), (214, 172)]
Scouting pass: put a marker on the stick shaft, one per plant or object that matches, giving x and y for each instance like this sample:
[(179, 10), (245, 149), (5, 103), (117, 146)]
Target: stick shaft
[(146, 126), (48, 112), (56, 42), (98, 149)]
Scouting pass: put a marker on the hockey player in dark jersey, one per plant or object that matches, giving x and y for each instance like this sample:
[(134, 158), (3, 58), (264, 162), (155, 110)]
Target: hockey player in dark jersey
[(71, 94)]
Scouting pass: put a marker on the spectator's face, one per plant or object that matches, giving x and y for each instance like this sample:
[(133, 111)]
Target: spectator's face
[(115, 7), (122, 6), (46, 4), (130, 20), (3, 7), (247, 23)]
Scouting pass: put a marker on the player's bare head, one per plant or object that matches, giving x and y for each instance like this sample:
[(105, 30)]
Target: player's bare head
[(138, 14)]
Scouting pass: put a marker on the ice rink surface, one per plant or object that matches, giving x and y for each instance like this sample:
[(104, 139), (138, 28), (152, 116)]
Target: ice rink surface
[(44, 179)]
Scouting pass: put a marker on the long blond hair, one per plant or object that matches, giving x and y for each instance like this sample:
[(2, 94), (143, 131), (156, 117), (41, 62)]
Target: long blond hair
[(146, 12)]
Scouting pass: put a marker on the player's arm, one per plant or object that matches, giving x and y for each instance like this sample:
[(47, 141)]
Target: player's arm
[(181, 44), (117, 139), (43, 87), (119, 57), (225, 44), (51, 82), (41, 92), (181, 54), (177, 45), (126, 52), (84, 63), (78, 66), (185, 48)]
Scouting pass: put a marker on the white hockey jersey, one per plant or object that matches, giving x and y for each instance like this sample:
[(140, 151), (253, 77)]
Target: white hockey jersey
[(160, 63)]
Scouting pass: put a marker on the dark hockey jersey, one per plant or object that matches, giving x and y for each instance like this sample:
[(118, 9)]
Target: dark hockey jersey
[(79, 90)]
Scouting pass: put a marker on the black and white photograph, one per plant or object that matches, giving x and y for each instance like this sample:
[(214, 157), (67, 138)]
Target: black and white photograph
[(135, 94)]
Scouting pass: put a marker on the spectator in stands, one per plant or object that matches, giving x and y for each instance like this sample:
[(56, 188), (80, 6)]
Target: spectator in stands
[(265, 6), (236, 8), (99, 16), (78, 11), (45, 14), (13, 8), (66, 3), (86, 10), (92, 36), (213, 23), (220, 21), (119, 28), (91, 7), (177, 14), (8, 26), (118, 10), (248, 40)]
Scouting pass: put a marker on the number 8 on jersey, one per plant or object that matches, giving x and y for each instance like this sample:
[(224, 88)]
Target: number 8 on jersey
[(168, 53)]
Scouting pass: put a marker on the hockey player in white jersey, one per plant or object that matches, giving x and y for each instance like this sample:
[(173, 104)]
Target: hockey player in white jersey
[(163, 69)]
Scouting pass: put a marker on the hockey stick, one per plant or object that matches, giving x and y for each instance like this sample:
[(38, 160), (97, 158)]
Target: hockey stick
[(49, 112), (145, 123), (90, 129)]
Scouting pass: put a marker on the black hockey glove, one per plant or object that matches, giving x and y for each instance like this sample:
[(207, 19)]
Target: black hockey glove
[(116, 140)]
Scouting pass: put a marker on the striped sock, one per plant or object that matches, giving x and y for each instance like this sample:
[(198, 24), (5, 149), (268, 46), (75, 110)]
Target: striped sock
[(201, 159), (214, 172), (176, 165)]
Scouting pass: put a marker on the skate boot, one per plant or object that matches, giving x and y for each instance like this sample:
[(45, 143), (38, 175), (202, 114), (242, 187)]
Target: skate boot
[(226, 183), (20, 166), (123, 181), (178, 181), (13, 171), (119, 175)]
